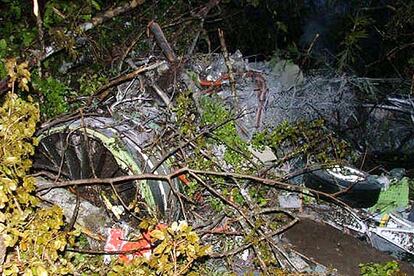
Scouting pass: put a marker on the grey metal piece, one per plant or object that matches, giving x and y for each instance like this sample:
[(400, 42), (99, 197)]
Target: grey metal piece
[(396, 236)]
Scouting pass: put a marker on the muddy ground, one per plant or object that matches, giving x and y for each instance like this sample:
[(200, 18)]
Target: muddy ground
[(334, 249)]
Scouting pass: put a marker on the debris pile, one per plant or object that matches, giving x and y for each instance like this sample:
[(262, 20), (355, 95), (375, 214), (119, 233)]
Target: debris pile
[(158, 146)]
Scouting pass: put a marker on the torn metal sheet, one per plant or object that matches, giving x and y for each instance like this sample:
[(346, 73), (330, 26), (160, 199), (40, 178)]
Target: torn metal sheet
[(272, 92), (397, 231), (91, 219), (340, 218)]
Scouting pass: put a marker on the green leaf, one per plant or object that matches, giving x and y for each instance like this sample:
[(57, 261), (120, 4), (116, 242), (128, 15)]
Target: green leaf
[(96, 5), (3, 44)]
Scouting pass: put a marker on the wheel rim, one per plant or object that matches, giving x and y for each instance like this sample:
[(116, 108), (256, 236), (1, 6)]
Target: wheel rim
[(93, 148)]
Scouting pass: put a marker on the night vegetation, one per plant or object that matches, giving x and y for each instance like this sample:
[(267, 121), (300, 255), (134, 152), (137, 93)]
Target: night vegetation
[(52, 62)]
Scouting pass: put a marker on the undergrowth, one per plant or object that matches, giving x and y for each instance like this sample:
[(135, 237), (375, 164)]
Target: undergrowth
[(34, 239)]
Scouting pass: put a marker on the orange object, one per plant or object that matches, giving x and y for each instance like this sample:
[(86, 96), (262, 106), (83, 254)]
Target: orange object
[(116, 242), (143, 247), (184, 179), (216, 83)]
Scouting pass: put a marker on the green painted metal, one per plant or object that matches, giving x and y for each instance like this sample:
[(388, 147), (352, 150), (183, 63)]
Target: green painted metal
[(396, 196)]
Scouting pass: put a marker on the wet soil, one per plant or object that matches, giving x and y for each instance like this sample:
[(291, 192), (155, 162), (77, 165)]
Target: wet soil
[(335, 249)]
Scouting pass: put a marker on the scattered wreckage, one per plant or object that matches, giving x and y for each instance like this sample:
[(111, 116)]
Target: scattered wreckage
[(128, 146)]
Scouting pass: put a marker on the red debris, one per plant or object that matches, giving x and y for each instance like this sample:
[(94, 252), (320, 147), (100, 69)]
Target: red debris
[(117, 242)]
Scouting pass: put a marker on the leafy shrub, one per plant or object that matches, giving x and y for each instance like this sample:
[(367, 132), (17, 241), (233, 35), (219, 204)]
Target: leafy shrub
[(35, 236), (308, 139), (376, 269), (54, 94), (215, 113)]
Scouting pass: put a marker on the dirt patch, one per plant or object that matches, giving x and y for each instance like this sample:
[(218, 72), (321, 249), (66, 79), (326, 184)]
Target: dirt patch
[(332, 248)]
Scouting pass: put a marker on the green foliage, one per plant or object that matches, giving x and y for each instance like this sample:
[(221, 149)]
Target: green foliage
[(16, 30), (35, 235), (184, 110), (17, 124), (17, 73), (234, 195), (60, 12), (28, 37), (90, 83), (18, 121), (64, 41), (258, 194), (3, 52), (398, 37), (191, 188), (55, 95), (41, 245), (350, 46), (375, 269), (216, 204), (311, 140), (215, 113)]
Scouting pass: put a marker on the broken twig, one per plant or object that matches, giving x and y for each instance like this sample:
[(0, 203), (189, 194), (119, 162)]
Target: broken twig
[(103, 91), (162, 41), (228, 65)]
